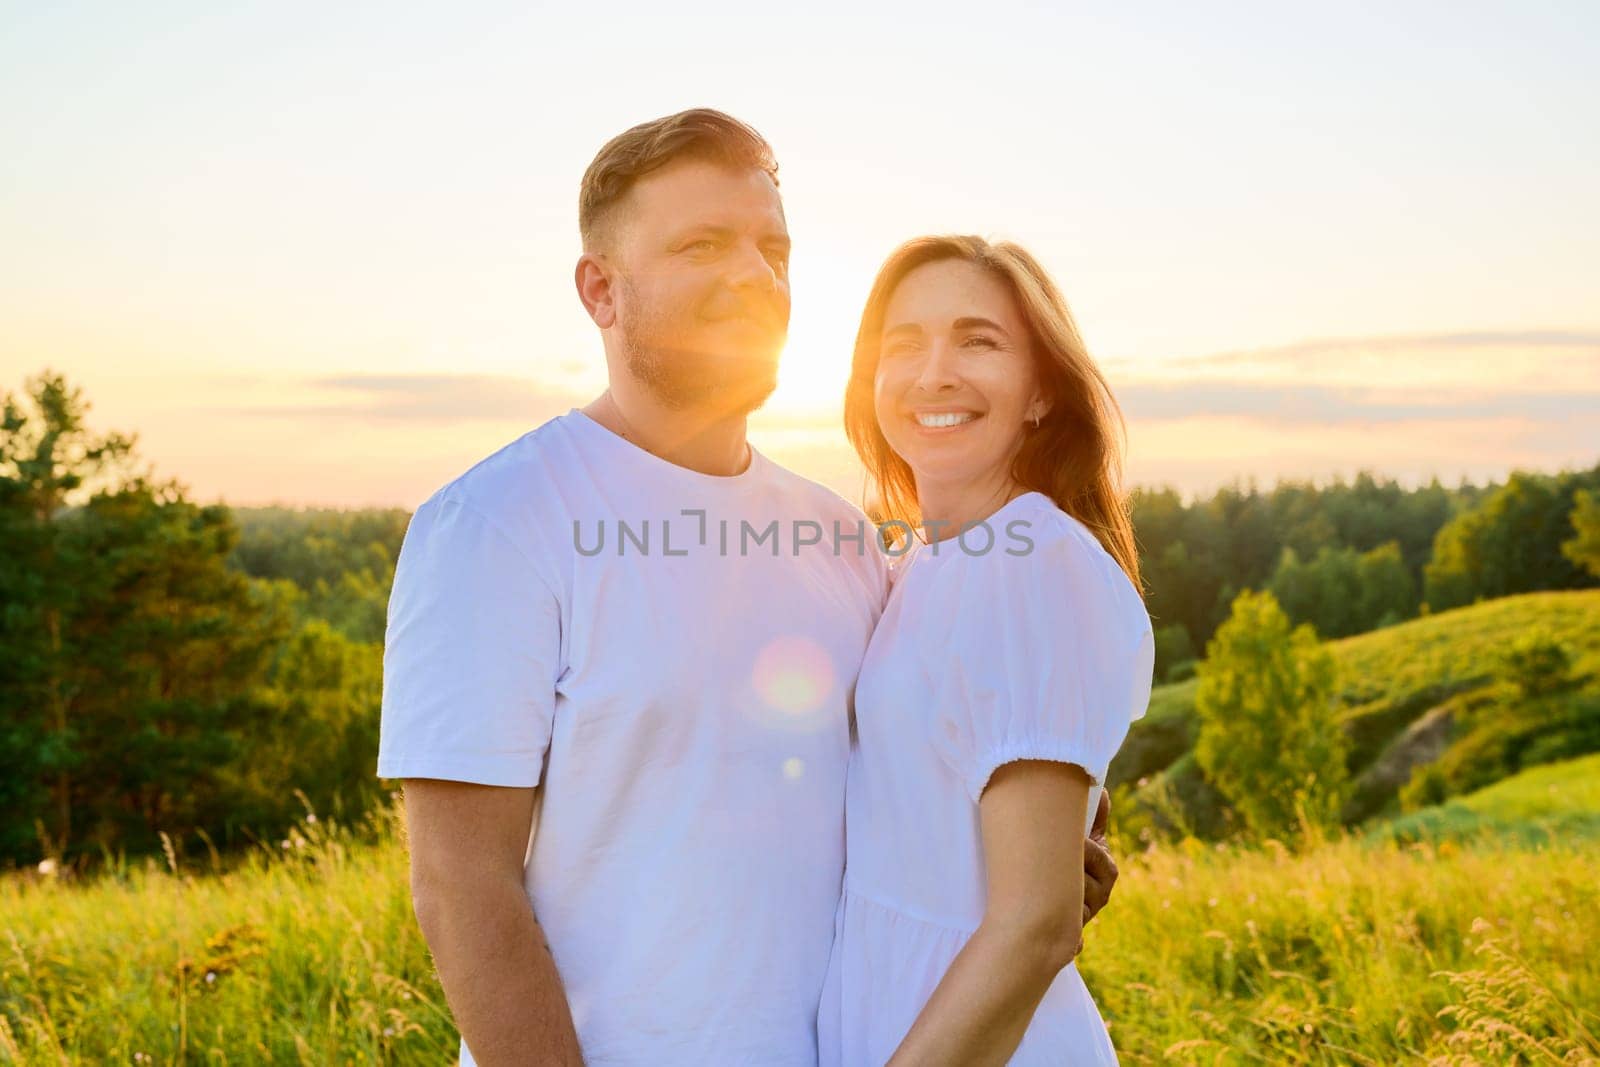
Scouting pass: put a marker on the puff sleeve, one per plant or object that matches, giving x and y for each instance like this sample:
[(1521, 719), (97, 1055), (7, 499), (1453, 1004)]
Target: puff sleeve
[(1050, 657)]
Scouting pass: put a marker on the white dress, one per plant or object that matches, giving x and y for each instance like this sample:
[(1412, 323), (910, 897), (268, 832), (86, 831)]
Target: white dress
[(978, 660)]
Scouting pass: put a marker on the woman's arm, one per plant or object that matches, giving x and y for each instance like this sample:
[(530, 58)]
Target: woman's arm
[(1031, 817)]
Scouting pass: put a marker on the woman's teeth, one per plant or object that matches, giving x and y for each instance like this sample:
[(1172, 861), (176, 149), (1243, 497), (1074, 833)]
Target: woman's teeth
[(951, 418)]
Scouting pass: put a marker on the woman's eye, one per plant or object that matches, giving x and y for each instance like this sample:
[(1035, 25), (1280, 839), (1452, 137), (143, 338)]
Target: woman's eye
[(978, 341), (706, 245)]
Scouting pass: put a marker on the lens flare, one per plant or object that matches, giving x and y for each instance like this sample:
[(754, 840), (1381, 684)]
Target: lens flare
[(794, 675)]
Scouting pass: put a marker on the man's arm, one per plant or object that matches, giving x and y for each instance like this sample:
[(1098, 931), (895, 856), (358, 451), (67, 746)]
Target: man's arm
[(467, 846)]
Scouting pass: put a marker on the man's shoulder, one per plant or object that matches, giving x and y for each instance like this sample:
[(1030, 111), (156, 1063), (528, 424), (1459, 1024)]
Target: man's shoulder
[(500, 484), (822, 499), (849, 536), (512, 492)]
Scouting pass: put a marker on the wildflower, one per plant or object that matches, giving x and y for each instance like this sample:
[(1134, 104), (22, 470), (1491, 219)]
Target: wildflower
[(211, 976), (388, 1031), (286, 842), (312, 818), (47, 867)]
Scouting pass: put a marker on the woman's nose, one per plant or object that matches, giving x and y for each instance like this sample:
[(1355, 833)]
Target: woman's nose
[(937, 371)]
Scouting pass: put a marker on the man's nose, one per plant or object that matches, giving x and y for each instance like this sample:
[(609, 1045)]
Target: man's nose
[(750, 269)]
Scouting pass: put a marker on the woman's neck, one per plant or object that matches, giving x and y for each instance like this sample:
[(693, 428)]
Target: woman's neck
[(948, 509)]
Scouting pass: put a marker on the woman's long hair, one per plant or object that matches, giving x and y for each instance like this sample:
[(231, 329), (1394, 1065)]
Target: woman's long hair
[(1073, 457)]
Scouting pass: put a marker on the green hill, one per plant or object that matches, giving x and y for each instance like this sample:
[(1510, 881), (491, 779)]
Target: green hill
[(1408, 692), (1558, 801)]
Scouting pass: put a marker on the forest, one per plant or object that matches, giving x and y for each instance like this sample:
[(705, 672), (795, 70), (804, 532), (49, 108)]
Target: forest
[(205, 676)]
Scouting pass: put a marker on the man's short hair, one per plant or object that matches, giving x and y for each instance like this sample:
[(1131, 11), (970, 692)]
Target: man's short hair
[(699, 133)]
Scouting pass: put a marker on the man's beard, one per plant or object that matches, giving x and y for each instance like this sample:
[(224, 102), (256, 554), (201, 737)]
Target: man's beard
[(686, 378)]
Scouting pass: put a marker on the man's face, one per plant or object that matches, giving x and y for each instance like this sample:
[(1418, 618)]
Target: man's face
[(701, 253)]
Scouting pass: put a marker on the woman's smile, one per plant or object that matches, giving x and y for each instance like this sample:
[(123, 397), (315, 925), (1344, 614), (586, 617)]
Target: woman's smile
[(937, 421)]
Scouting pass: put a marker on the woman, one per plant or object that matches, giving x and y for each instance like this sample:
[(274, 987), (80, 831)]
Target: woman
[(1000, 680)]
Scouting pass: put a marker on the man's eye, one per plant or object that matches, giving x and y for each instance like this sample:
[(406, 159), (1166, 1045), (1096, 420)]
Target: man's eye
[(702, 245)]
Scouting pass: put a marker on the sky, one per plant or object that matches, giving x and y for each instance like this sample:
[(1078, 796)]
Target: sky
[(319, 254)]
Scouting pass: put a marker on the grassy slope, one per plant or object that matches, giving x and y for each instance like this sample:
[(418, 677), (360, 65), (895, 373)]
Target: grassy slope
[(1556, 802), (1390, 677)]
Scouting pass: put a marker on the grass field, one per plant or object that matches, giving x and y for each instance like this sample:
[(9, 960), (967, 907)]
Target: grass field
[(1209, 954)]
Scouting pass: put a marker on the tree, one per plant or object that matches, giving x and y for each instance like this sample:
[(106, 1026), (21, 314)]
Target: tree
[(1324, 591), (1342, 591), (1172, 647), (318, 734), (1511, 543), (168, 649), (132, 651), (1536, 665), (1268, 739), (1584, 547), (1196, 556), (343, 561), (1388, 593), (48, 456)]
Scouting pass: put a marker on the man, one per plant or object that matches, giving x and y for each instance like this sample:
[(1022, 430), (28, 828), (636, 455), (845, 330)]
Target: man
[(619, 664)]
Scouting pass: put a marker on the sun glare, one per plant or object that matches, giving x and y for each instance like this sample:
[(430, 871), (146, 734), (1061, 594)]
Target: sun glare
[(822, 328)]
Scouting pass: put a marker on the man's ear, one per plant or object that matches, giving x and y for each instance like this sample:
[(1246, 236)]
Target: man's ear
[(593, 279)]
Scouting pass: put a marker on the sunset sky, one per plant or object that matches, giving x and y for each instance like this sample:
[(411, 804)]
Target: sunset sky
[(322, 254)]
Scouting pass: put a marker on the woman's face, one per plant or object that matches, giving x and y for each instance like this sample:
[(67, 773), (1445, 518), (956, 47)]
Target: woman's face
[(955, 386)]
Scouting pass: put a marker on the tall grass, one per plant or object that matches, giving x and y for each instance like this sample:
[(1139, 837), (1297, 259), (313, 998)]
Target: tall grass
[(305, 954), (1351, 953)]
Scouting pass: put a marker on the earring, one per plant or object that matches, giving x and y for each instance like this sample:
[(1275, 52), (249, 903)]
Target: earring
[(1036, 422)]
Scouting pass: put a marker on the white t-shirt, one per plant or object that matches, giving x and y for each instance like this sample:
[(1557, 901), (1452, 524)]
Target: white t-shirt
[(680, 686)]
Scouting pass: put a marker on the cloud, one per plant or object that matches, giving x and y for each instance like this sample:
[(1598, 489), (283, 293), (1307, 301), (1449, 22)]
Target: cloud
[(1327, 405), (1457, 366), (426, 398), (469, 397), (1301, 353)]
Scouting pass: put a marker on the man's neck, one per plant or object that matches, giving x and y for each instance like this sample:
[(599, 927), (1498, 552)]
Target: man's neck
[(708, 442)]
